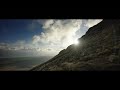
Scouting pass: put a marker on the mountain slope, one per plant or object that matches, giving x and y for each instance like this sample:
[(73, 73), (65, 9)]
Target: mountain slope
[(99, 49)]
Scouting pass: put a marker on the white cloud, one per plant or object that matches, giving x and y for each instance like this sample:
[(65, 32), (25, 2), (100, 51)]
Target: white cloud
[(56, 35), (92, 22), (48, 23), (58, 32), (36, 39)]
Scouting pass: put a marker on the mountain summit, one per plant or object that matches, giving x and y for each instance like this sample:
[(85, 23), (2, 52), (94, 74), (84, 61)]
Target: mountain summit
[(98, 49)]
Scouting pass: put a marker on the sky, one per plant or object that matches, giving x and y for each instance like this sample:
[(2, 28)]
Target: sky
[(40, 37)]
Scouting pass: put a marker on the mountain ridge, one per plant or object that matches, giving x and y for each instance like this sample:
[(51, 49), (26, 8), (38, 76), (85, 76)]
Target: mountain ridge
[(98, 49)]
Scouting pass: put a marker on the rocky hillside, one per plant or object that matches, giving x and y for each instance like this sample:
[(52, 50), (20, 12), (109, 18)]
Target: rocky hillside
[(99, 49)]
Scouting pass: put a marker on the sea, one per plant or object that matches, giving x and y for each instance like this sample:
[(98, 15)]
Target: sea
[(21, 63)]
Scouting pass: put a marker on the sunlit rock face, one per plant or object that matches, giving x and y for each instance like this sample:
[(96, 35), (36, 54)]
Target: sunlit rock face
[(98, 49)]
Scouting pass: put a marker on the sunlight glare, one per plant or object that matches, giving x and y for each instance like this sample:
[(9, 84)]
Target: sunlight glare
[(76, 42)]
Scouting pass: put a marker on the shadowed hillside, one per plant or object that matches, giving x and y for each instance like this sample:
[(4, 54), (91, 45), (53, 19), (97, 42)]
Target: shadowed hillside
[(98, 49)]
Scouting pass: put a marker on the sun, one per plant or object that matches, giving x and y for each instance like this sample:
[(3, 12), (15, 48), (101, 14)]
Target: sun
[(76, 42)]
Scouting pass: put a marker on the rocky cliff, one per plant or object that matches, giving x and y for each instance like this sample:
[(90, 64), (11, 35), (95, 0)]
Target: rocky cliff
[(98, 49)]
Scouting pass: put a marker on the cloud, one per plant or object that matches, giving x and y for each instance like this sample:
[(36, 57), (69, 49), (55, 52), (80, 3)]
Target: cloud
[(3, 45), (58, 32), (92, 22), (56, 35), (22, 48), (36, 39), (48, 24)]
